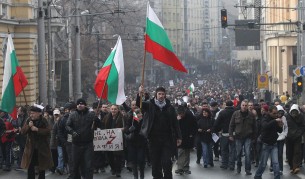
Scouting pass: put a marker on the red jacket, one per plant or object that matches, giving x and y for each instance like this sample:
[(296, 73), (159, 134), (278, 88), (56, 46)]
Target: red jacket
[(8, 137)]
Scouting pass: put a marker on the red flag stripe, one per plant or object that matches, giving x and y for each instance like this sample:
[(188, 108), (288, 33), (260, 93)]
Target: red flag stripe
[(163, 55), (100, 81), (20, 81)]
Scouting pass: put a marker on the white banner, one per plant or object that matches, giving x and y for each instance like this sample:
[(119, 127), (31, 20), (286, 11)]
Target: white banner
[(108, 140), (200, 82), (171, 82)]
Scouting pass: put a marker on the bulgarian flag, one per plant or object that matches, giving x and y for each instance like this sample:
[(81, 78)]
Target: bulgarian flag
[(190, 89), (158, 44), (110, 80), (14, 80), (135, 116)]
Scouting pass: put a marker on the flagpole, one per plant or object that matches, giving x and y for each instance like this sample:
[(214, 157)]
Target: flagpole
[(26, 102), (143, 74)]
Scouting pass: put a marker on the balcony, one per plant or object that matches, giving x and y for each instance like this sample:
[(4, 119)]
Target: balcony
[(282, 28)]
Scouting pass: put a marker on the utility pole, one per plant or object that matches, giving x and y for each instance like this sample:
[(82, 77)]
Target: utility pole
[(78, 72), (302, 38), (69, 30), (42, 76), (185, 41), (51, 69)]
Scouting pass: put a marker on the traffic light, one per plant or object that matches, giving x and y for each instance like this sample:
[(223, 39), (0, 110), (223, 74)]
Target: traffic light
[(299, 84), (224, 18)]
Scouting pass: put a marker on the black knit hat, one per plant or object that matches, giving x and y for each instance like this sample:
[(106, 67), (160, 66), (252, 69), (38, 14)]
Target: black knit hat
[(81, 101)]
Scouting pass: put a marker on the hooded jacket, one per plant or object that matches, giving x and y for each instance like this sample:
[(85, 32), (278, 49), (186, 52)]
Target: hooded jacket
[(296, 126), (284, 133)]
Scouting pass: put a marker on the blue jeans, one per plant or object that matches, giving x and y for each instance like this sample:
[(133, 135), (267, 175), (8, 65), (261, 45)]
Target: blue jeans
[(207, 153), (280, 148), (60, 164), (273, 152), (228, 152), (240, 143)]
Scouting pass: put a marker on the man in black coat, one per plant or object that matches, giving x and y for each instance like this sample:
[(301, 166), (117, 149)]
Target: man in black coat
[(222, 123), (188, 127), (160, 126), (81, 124), (271, 126), (64, 138)]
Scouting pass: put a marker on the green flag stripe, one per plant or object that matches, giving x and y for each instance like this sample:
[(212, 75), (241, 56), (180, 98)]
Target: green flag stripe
[(109, 60), (8, 100), (113, 84), (14, 62), (158, 34)]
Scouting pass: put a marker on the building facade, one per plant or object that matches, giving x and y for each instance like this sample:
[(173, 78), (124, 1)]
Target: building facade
[(19, 17), (279, 44)]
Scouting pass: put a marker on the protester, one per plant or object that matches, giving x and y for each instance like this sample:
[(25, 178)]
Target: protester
[(22, 114), (188, 127), (244, 125), (222, 123), (7, 139), (115, 119), (160, 126), (136, 142), (205, 124), (282, 137), (65, 138), (37, 148), (81, 124), (296, 128), (271, 126)]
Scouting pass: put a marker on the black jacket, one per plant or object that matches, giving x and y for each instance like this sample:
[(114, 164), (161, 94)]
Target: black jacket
[(62, 133), (134, 138), (270, 128), (188, 127), (151, 109), (205, 123), (84, 123), (296, 127), (223, 120)]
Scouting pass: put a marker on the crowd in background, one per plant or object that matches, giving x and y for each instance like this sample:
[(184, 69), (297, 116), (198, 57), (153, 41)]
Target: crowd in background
[(216, 107)]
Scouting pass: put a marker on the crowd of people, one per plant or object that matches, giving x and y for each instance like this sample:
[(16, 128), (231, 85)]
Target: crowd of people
[(220, 122)]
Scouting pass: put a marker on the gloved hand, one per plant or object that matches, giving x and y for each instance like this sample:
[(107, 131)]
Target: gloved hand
[(75, 134), (131, 129)]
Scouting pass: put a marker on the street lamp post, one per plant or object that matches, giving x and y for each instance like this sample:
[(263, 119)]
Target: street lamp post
[(78, 81)]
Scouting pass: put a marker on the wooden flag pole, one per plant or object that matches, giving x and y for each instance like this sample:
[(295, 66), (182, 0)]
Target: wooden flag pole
[(143, 74)]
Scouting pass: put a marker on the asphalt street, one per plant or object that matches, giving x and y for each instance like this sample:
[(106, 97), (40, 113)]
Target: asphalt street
[(198, 172)]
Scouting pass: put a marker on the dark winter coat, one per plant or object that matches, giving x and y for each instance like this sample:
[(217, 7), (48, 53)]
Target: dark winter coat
[(83, 122), (270, 128), (223, 120), (39, 140), (243, 126), (188, 127), (205, 123), (296, 127), (134, 138), (62, 133), (21, 139), (151, 109)]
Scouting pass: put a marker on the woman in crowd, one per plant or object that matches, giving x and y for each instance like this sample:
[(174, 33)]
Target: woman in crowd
[(205, 124)]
